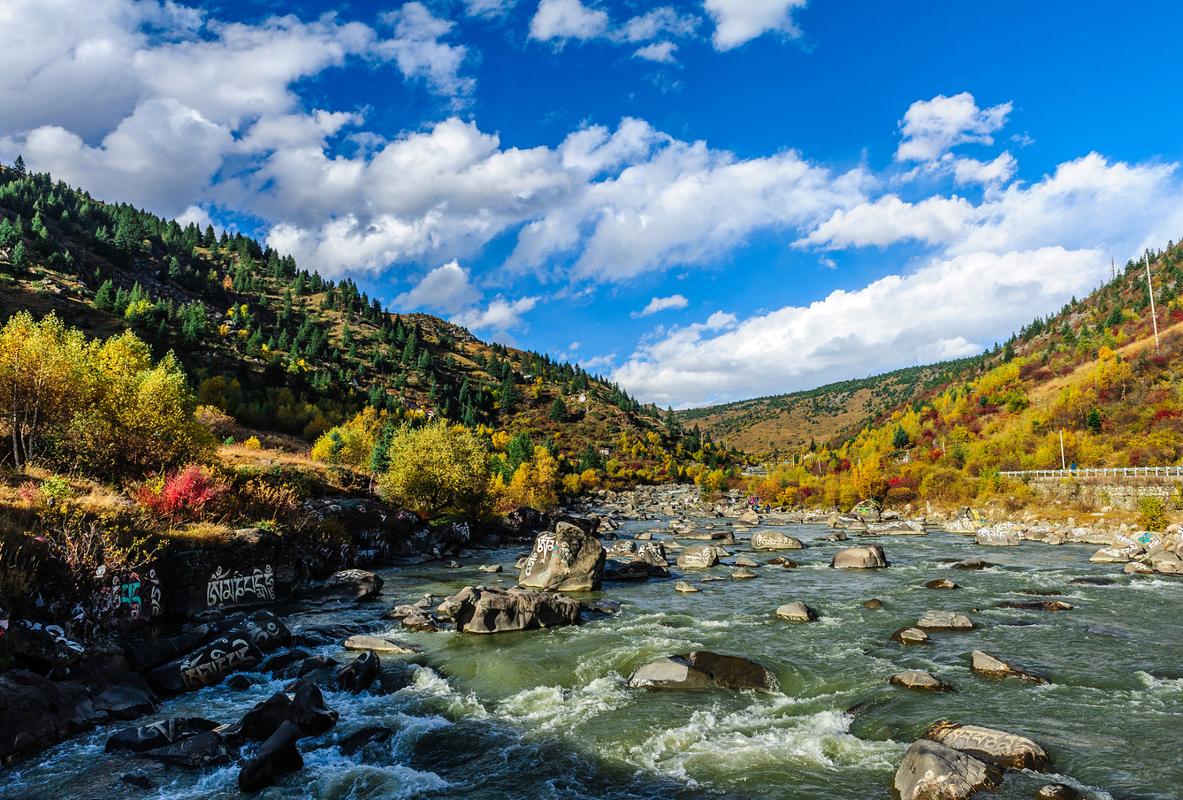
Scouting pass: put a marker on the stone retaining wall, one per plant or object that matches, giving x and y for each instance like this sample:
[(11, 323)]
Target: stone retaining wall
[(1122, 493)]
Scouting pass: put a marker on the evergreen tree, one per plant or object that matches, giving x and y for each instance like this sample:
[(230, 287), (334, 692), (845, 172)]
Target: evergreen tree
[(558, 410), (104, 298)]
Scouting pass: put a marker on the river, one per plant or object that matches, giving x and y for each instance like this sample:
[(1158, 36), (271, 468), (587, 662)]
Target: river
[(547, 714)]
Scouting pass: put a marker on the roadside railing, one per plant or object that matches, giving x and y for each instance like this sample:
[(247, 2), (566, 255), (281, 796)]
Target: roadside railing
[(1095, 472)]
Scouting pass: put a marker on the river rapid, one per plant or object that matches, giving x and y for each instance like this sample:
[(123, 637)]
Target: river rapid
[(547, 714)]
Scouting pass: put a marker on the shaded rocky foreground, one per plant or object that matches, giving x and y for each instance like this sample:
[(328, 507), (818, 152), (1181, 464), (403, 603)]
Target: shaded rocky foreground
[(696, 548)]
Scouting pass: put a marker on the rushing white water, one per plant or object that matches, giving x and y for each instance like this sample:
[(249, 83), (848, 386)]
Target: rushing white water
[(548, 714)]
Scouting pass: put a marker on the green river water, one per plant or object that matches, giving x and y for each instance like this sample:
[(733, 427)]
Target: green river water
[(547, 714)]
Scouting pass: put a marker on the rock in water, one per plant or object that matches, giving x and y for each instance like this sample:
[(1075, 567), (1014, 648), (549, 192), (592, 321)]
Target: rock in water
[(749, 517), (744, 574), (775, 540), (918, 680), (1037, 605), (699, 556), (158, 734), (993, 746), (568, 560), (932, 771), (907, 636), (276, 757), (1058, 791), (684, 587), (875, 604), (355, 585), (972, 563), (869, 556), (796, 612), (359, 674), (899, 527), (703, 670), (941, 583), (986, 664), (944, 621), (206, 749), (379, 644), (998, 536), (486, 610)]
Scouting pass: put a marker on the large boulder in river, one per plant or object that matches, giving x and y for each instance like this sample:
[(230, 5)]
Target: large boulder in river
[(524, 520), (240, 648), (698, 556), (208, 665), (998, 536), (944, 621), (775, 540), (567, 560), (932, 771), (207, 749), (993, 667), (918, 680), (895, 527), (967, 520), (277, 756), (352, 585), (35, 712), (485, 610), (796, 611), (142, 738), (359, 674), (868, 510), (868, 556), (703, 670), (993, 746)]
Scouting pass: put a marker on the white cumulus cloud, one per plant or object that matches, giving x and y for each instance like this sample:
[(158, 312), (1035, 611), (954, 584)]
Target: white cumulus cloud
[(740, 21), (663, 304), (446, 288), (931, 128), (567, 19)]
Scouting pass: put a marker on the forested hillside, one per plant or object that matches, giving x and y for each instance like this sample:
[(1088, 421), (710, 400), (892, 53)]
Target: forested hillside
[(1093, 371), (282, 350), (781, 423)]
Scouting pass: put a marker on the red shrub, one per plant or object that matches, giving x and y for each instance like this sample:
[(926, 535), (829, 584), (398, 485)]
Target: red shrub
[(189, 493)]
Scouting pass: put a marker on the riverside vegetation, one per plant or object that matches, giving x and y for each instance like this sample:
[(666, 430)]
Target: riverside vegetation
[(216, 473)]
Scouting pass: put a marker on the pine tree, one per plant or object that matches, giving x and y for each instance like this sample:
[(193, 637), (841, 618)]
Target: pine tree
[(558, 410), (104, 298)]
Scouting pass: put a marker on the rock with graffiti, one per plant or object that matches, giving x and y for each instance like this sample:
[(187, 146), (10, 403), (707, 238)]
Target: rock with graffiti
[(565, 560), (250, 568), (239, 648)]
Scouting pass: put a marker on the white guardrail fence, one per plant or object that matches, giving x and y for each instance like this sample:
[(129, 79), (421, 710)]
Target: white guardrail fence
[(1095, 472)]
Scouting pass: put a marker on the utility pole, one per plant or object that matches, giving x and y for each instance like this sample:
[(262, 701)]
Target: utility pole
[(1112, 269), (1150, 288), (1063, 461)]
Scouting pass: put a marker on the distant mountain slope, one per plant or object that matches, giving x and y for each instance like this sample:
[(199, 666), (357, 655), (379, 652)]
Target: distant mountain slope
[(1111, 324), (277, 346), (784, 422)]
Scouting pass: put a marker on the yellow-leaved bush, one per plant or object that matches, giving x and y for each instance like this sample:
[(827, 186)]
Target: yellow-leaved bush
[(99, 407), (435, 470), (351, 443)]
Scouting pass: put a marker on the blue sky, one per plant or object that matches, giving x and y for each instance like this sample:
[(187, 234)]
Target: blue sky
[(706, 200)]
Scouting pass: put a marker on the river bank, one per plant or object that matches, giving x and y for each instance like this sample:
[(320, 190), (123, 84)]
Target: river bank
[(551, 712)]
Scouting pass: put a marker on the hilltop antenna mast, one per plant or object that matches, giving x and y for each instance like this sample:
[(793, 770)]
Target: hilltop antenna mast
[(1153, 316)]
